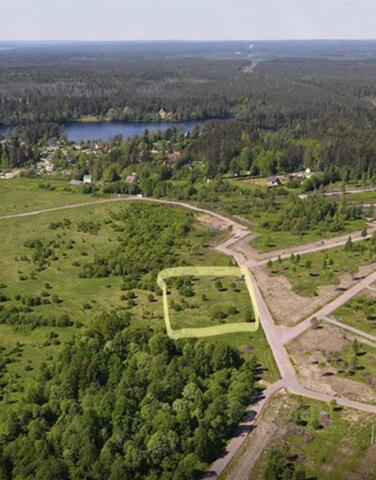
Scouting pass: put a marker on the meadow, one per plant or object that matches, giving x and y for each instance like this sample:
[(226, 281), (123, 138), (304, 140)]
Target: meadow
[(23, 194), (208, 301)]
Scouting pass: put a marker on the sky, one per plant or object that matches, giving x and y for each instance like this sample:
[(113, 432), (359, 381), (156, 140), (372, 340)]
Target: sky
[(187, 19)]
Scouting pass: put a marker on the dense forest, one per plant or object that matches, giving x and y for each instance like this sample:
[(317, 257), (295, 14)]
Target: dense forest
[(123, 403), (300, 103)]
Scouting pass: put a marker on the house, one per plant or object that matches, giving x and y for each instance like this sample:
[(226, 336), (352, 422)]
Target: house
[(87, 179), (164, 114), (171, 157), (273, 181), (132, 179)]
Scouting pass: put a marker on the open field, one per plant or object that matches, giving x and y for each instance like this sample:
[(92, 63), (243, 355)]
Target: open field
[(360, 312), (329, 444), (208, 301), (311, 271), (27, 194)]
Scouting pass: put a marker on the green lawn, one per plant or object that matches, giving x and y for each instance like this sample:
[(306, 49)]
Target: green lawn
[(330, 444), (24, 195), (310, 271), (360, 312)]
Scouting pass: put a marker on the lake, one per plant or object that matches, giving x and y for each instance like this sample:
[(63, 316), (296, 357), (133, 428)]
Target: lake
[(78, 131), (104, 130)]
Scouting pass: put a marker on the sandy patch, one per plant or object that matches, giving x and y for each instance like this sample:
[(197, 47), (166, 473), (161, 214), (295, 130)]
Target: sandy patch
[(213, 222)]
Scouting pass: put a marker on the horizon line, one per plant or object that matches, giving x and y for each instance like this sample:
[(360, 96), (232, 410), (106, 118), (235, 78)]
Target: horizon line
[(193, 40)]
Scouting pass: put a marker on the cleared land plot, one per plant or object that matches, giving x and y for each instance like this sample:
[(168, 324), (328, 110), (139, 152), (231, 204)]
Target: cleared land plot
[(311, 271), (360, 312), (330, 444), (325, 360), (28, 194), (208, 301)]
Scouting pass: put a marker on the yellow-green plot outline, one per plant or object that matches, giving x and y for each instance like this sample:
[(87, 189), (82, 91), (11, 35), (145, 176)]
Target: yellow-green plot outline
[(208, 272)]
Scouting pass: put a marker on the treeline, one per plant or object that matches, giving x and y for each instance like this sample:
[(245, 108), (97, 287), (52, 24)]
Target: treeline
[(299, 216), (123, 403)]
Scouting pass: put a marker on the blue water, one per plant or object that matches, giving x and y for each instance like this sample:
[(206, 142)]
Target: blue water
[(104, 130)]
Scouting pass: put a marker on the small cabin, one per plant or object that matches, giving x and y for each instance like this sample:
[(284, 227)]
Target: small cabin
[(132, 179), (273, 181)]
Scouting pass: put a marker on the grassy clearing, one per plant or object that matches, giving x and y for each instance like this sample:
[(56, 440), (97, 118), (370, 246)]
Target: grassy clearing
[(74, 237), (207, 301), (311, 271), (25, 195), (360, 312), (331, 444)]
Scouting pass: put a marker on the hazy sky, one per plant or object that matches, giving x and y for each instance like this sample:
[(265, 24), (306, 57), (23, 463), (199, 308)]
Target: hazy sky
[(186, 19)]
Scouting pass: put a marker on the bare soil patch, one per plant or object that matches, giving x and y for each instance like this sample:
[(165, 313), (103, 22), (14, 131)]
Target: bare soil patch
[(288, 307), (312, 349), (213, 222)]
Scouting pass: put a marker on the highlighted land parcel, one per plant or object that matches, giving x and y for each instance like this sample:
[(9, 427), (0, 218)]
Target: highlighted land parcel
[(197, 272)]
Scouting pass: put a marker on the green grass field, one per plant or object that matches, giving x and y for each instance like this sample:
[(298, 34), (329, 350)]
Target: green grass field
[(311, 271), (360, 312), (24, 195), (329, 444), (208, 301)]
